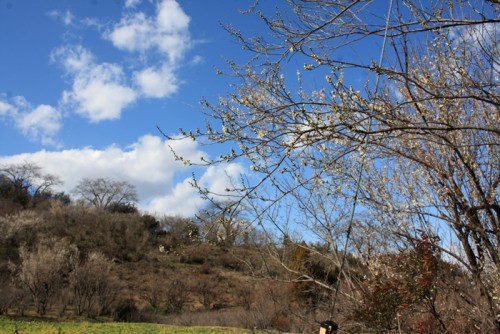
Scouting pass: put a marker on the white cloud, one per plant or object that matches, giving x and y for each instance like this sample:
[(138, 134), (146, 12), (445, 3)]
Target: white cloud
[(184, 200), (131, 3), (156, 82), (197, 60), (43, 122), (66, 18), (7, 109), (148, 164), (40, 123), (483, 34), (171, 18), (167, 32), (99, 91), (217, 178), (134, 32), (476, 36), (74, 59)]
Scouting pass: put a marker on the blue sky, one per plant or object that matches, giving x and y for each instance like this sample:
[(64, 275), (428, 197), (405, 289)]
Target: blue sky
[(84, 84)]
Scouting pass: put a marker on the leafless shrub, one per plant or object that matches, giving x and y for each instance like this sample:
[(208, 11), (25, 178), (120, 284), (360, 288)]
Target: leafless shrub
[(229, 261), (93, 285), (271, 309), (153, 293), (179, 231), (244, 291), (8, 292), (44, 270), (225, 318), (121, 236), (205, 288), (177, 295), (21, 227), (21, 300), (198, 254), (128, 311), (64, 300), (8, 207)]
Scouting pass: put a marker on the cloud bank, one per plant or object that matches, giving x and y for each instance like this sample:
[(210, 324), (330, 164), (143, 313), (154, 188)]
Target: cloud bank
[(162, 183)]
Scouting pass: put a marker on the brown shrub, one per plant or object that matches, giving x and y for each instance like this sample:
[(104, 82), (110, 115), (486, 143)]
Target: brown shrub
[(128, 311), (8, 291), (121, 236), (8, 207), (21, 228), (205, 287), (43, 271), (177, 295), (93, 285), (153, 293)]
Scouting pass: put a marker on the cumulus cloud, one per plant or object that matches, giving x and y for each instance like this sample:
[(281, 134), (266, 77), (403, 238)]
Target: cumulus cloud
[(135, 32), (162, 183), (184, 199), (99, 91), (42, 122), (483, 34), (164, 35), (166, 32), (156, 82)]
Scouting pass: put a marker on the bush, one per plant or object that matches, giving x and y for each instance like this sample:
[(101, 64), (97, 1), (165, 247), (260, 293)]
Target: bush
[(119, 236), (21, 228), (93, 285), (179, 231), (125, 208), (7, 291), (44, 270), (177, 295), (127, 311), (400, 283)]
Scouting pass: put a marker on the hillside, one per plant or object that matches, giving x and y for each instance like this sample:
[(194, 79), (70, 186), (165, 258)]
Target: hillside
[(67, 261), (72, 262)]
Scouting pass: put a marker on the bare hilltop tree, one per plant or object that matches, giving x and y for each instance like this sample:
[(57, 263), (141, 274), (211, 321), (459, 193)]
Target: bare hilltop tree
[(103, 193), (393, 107), (26, 180)]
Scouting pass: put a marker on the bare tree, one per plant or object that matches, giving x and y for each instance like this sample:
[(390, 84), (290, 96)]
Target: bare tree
[(94, 285), (221, 224), (409, 134), (104, 192), (26, 180), (43, 270)]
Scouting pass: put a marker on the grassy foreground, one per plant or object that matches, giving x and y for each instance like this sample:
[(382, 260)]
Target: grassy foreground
[(8, 326)]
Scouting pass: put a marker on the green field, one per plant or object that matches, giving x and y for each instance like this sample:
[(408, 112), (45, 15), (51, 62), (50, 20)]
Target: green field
[(39, 327)]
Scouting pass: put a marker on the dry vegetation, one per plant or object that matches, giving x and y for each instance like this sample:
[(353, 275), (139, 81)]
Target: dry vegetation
[(71, 262)]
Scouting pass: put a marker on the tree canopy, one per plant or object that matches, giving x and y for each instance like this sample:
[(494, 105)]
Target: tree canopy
[(25, 181), (392, 108), (106, 193)]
